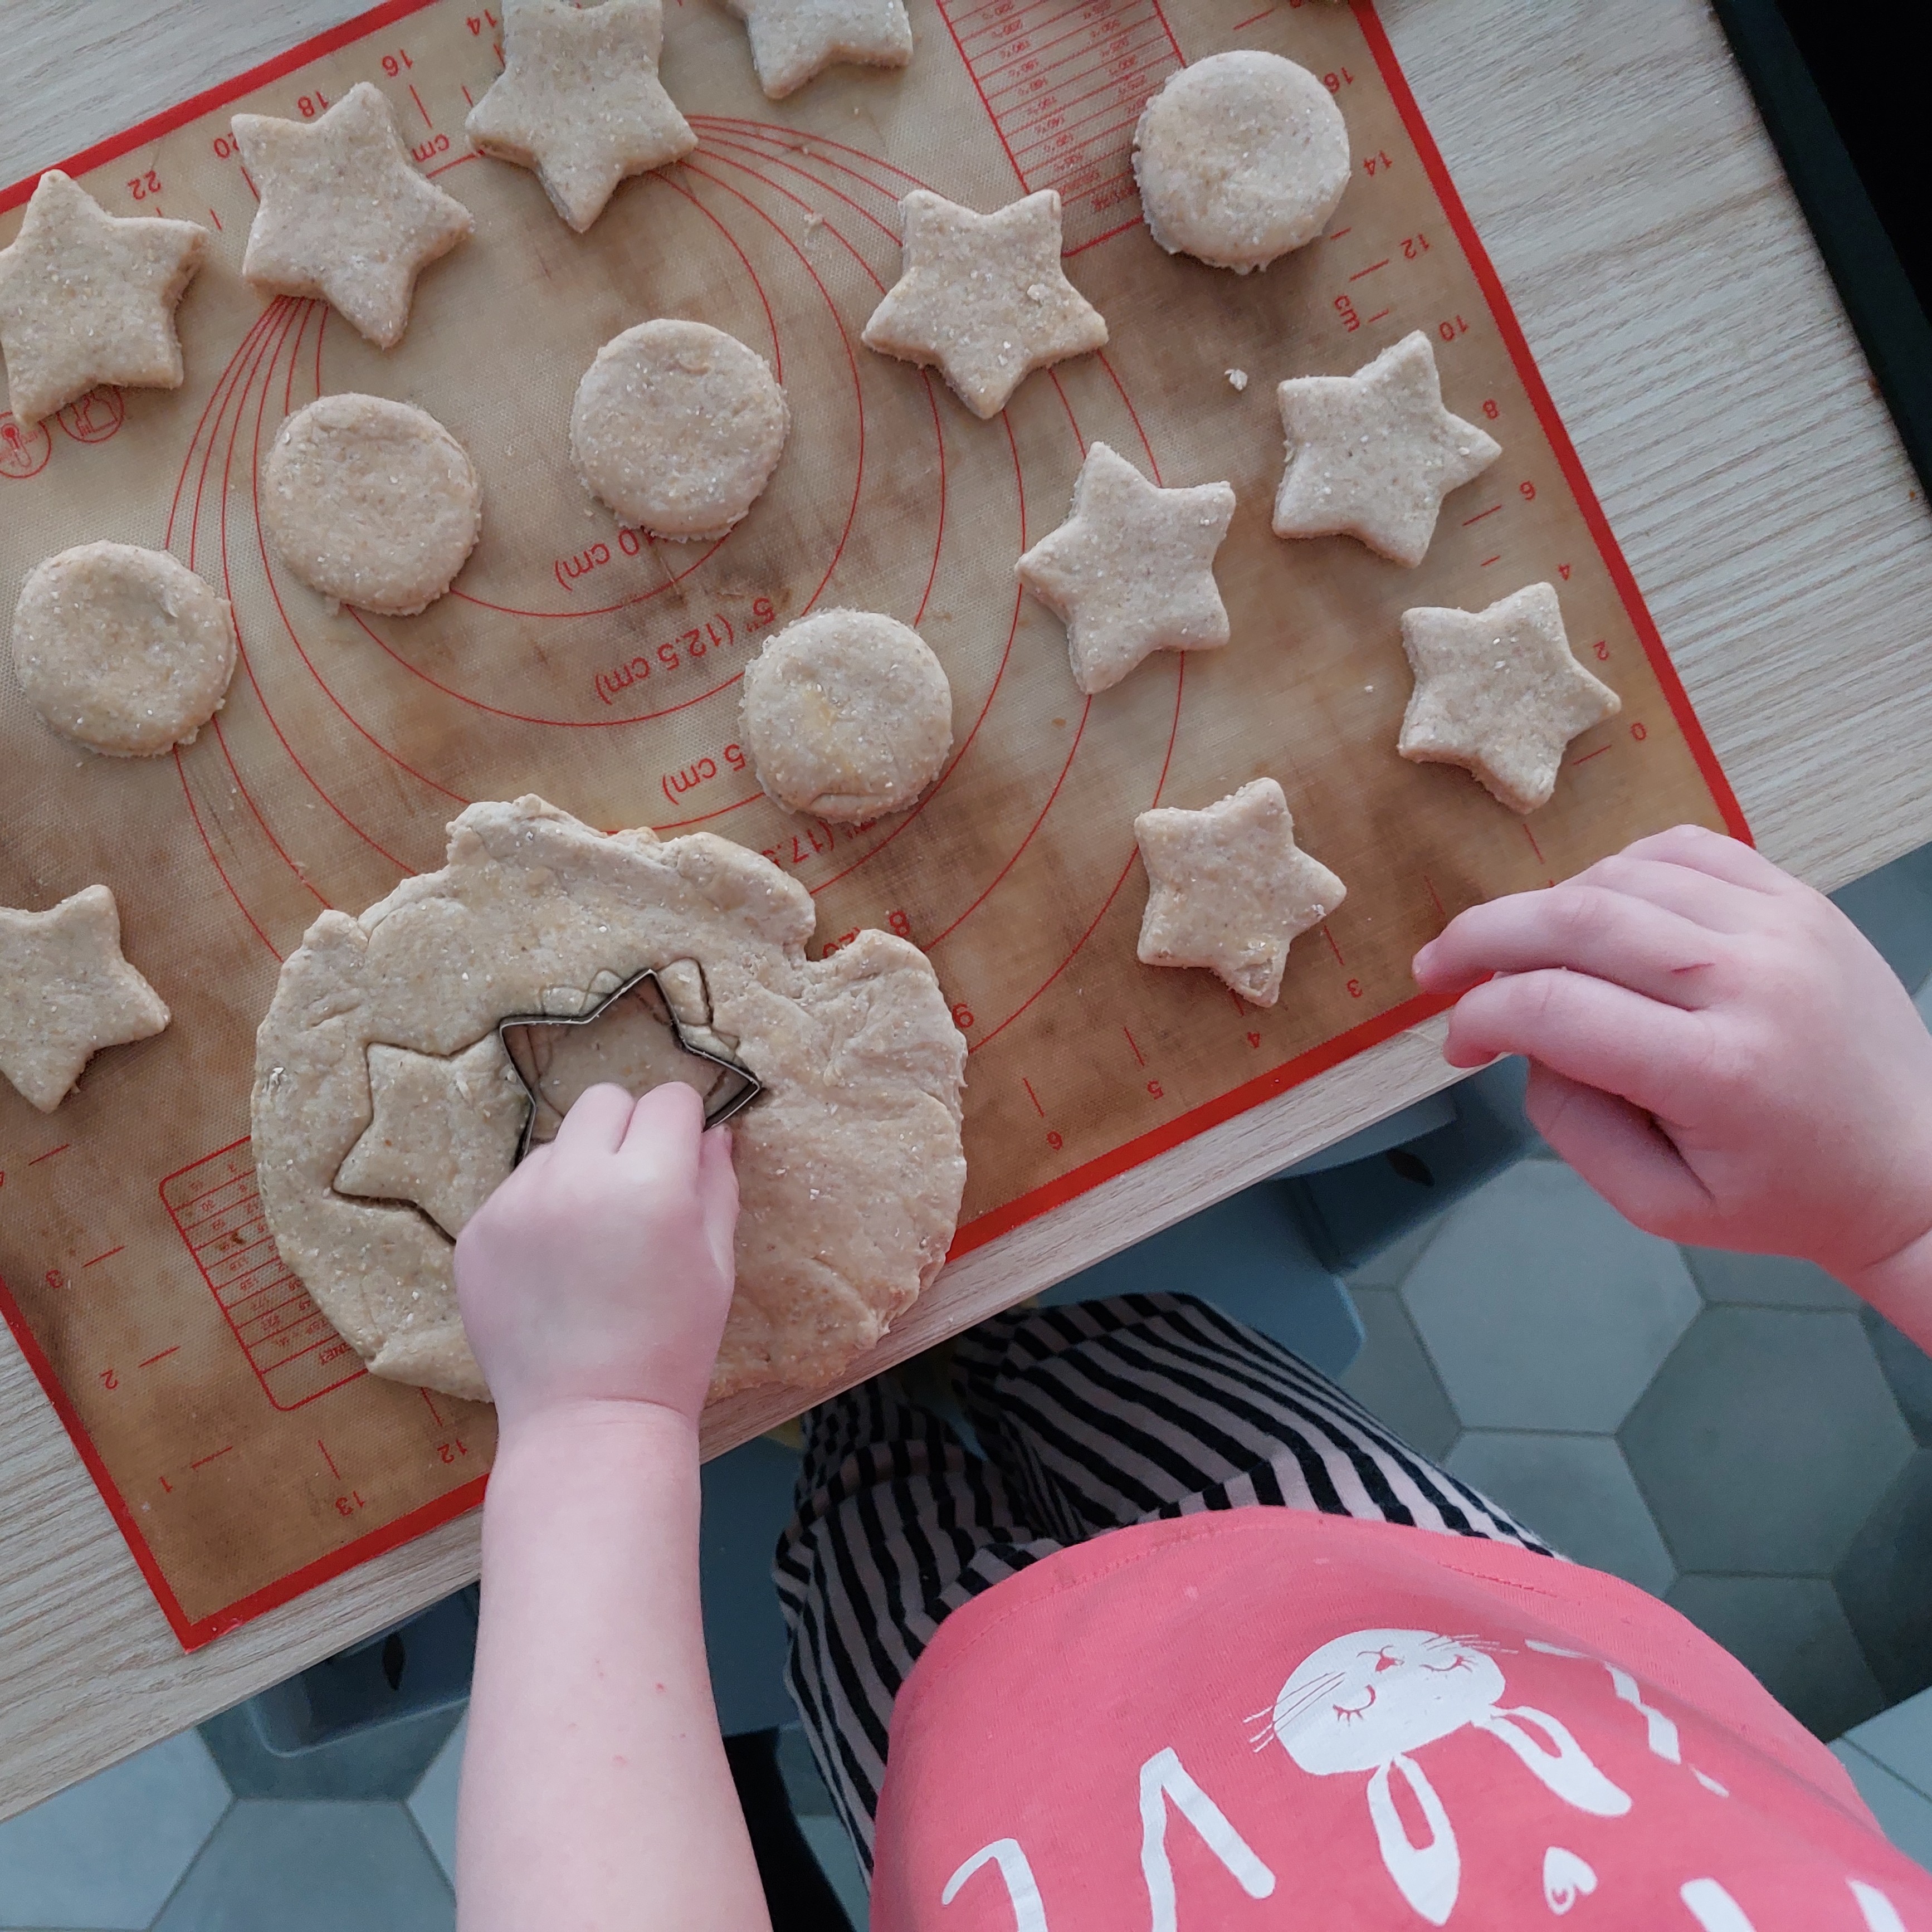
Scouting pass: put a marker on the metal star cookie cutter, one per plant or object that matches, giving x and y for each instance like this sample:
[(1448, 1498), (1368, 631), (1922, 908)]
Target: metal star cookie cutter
[(734, 1092)]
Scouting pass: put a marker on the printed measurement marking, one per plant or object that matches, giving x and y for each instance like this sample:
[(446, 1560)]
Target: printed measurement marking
[(1333, 947), (328, 1458), (1533, 845), (1379, 315), (1588, 755), (1370, 270), (1033, 1097), (122, 1250), (50, 1152), (1437, 897), (1340, 232), (162, 1357), (1138, 1060), (429, 1401), (1064, 103), (1251, 19), (1480, 514), (1488, 560), (202, 1462), (296, 1354)]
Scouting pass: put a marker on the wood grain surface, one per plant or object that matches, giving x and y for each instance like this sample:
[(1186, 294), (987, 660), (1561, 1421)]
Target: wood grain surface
[(1616, 168)]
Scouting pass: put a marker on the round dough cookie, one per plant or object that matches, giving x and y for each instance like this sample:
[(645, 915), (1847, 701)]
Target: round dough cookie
[(1240, 157), (847, 714), (849, 1164), (678, 427), (371, 501), (124, 650)]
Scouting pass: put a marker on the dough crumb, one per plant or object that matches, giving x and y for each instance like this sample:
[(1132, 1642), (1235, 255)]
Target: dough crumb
[(1237, 379)]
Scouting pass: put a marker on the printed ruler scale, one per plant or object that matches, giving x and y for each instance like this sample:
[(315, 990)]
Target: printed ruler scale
[(243, 1451)]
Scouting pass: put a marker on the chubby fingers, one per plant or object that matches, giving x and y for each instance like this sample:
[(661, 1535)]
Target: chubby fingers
[(1588, 1029), (1718, 857), (718, 1194), (595, 1123), (1586, 929)]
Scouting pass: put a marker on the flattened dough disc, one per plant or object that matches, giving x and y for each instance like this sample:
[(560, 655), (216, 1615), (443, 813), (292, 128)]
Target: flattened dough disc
[(124, 650), (849, 1164), (371, 501)]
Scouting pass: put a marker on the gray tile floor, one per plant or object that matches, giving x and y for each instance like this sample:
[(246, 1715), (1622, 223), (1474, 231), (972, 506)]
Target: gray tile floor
[(1732, 1432)]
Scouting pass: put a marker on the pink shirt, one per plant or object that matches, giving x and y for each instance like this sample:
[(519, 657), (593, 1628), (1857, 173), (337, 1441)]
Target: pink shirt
[(1268, 1717)]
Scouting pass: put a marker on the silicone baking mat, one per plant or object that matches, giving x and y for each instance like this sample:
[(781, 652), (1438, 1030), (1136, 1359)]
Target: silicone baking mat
[(243, 1451)]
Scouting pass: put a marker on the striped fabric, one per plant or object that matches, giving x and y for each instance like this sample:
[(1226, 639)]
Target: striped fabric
[(1083, 1419)]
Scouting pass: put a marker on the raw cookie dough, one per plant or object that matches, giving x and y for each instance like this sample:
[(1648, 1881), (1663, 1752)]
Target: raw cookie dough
[(87, 297), (1230, 889), (793, 40), (1240, 158), (344, 215), (678, 427), (982, 297), (1499, 692), (1373, 455), (444, 1131), (1132, 569), (579, 101), (371, 502), (849, 1164), (125, 651), (847, 716), (66, 992)]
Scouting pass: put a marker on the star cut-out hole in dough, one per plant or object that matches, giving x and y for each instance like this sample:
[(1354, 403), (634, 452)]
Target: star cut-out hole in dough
[(444, 1132), (636, 1034)]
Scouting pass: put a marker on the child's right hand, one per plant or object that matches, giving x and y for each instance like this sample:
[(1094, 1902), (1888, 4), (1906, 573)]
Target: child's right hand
[(601, 1269), (1717, 1050)]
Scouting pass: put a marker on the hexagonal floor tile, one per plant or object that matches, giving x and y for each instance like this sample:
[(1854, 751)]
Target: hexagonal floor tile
[(1766, 1441), (1543, 1308), (1885, 1583), (1908, 1369), (1393, 1379), (106, 1852), (318, 1865), (1766, 1281), (1576, 1493), (1790, 1632)]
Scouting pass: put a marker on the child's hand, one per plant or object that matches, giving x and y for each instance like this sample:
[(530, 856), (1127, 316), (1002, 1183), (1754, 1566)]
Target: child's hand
[(601, 1269), (1715, 1047)]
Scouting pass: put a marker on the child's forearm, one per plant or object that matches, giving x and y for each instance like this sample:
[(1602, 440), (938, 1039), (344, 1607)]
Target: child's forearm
[(595, 1792)]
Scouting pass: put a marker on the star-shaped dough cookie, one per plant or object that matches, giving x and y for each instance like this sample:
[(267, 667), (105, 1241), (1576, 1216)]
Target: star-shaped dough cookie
[(1499, 692), (1373, 455), (793, 40), (87, 297), (1230, 888), (579, 101), (444, 1133), (1132, 570), (983, 297), (66, 992), (344, 215)]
